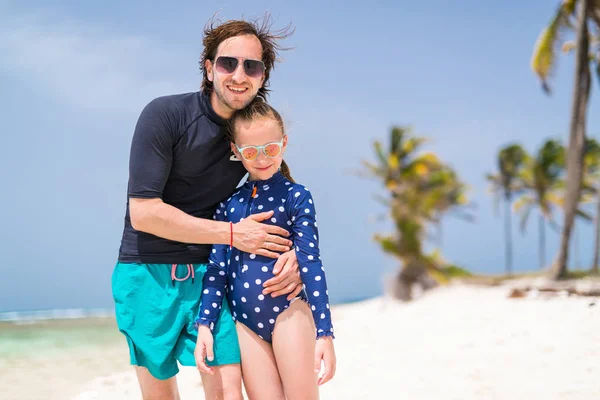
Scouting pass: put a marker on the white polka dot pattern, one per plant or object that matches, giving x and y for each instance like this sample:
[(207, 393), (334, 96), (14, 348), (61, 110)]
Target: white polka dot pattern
[(241, 275)]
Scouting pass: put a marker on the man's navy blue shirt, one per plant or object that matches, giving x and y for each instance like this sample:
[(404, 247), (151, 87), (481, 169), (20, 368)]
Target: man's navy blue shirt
[(179, 153)]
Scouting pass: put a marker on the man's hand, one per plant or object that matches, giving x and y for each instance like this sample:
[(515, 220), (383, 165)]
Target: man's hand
[(251, 236), (324, 351), (286, 279), (204, 349)]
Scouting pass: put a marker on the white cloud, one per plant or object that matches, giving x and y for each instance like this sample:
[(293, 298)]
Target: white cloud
[(85, 65)]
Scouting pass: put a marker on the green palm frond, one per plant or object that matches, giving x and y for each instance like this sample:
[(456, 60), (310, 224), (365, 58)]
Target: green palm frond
[(595, 14), (584, 215), (380, 153), (389, 244), (420, 190), (397, 135), (543, 60), (523, 201), (591, 160), (525, 216), (382, 200), (496, 190), (553, 224), (523, 206)]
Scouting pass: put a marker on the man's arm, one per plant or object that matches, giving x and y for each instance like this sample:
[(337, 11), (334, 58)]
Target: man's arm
[(161, 219)]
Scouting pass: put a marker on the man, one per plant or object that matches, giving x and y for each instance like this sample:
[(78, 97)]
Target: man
[(180, 169)]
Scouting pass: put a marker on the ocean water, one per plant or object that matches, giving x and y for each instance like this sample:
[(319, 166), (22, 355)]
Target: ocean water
[(55, 354), (47, 333), (52, 354)]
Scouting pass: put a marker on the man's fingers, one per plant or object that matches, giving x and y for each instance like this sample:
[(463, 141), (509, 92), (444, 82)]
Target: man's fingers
[(261, 216), (279, 241), (277, 283), (275, 230), (275, 247), (267, 253), (280, 264), (271, 283), (295, 293), (287, 289)]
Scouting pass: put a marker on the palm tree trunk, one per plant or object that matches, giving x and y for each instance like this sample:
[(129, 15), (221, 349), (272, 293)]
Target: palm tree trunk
[(576, 138), (508, 236), (577, 262), (597, 238), (542, 242)]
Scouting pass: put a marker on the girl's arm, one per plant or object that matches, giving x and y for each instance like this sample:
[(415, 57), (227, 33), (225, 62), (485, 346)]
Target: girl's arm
[(306, 240), (214, 283)]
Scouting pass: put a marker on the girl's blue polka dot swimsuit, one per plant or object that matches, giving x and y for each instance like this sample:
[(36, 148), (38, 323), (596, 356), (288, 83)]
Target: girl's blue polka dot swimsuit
[(240, 275)]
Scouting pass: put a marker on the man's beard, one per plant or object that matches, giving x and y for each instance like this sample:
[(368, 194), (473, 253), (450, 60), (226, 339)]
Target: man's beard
[(229, 105)]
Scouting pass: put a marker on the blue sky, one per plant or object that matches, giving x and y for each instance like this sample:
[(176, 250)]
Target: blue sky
[(75, 76)]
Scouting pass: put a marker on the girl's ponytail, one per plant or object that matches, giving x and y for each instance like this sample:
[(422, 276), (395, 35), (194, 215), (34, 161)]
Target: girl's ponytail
[(285, 171)]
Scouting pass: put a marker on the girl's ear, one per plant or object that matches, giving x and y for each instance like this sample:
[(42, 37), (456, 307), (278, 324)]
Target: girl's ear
[(236, 155), (285, 140)]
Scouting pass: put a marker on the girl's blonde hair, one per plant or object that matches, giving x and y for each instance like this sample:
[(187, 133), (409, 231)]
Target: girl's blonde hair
[(256, 109)]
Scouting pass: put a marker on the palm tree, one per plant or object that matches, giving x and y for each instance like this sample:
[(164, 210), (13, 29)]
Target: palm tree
[(540, 182), (591, 191), (571, 15), (450, 192), (421, 190), (511, 160)]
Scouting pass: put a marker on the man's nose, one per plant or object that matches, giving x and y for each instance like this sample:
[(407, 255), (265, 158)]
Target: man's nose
[(239, 75)]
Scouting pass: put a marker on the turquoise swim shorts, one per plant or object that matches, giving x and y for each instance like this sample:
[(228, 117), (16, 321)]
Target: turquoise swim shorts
[(156, 314)]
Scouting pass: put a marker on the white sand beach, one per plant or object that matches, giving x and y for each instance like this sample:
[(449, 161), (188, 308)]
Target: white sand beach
[(455, 342)]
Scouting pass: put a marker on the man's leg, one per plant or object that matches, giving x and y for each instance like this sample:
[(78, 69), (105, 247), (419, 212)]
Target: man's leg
[(156, 389), (149, 313)]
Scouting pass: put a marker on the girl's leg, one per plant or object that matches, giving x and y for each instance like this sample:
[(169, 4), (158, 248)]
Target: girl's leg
[(259, 369), (294, 348), (224, 384)]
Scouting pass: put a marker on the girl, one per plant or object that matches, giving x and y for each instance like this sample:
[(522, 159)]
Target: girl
[(280, 357)]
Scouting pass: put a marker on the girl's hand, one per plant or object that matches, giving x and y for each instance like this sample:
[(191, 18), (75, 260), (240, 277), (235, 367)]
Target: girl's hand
[(324, 351), (204, 349)]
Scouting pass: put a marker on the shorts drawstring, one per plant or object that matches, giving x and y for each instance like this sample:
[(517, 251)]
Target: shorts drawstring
[(174, 277)]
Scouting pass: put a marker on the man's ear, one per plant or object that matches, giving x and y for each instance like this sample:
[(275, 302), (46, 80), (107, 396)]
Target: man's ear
[(209, 70)]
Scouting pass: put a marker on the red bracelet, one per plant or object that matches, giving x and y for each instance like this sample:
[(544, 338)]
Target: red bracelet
[(231, 236)]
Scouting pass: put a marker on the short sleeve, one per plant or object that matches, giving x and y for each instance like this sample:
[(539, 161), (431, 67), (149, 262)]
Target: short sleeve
[(151, 154)]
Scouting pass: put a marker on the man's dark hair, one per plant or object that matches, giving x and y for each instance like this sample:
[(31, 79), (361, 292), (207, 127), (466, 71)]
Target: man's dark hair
[(216, 32)]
